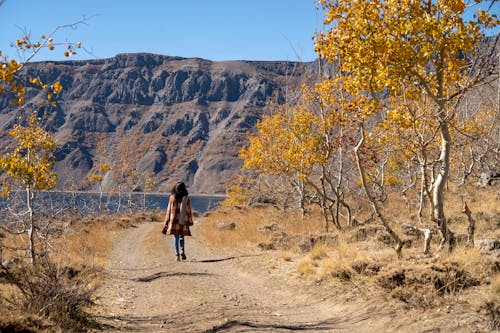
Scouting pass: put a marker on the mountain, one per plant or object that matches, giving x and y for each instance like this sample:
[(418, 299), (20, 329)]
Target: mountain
[(178, 118)]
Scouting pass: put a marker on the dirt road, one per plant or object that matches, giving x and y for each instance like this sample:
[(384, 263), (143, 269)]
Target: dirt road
[(146, 290)]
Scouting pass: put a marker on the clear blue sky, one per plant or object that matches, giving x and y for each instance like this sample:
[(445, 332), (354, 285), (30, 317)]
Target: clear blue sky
[(210, 29)]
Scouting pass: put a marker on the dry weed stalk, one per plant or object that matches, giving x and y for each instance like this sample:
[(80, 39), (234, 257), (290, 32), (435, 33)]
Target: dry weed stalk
[(472, 225)]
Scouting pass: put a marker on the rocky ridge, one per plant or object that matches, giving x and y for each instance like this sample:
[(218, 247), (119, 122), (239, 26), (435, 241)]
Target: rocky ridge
[(177, 118)]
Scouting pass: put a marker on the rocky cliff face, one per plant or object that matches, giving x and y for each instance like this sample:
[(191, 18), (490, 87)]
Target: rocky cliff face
[(176, 118)]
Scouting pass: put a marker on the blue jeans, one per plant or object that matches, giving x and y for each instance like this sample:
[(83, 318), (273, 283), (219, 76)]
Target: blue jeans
[(178, 240)]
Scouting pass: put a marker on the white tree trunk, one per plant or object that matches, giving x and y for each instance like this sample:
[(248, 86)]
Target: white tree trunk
[(439, 186), (100, 196), (31, 230)]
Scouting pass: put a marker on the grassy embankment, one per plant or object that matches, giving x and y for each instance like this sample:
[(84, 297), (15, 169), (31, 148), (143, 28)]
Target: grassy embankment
[(56, 295), (358, 263)]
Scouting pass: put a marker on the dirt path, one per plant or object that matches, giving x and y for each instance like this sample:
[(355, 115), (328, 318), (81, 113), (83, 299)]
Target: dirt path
[(146, 290)]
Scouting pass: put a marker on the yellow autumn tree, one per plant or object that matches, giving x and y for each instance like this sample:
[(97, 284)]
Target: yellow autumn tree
[(413, 48), (305, 143), (29, 164), (101, 169)]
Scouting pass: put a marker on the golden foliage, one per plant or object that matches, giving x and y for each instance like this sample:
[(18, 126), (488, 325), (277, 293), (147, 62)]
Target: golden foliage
[(398, 44), (30, 162), (102, 167), (9, 69), (296, 139), (238, 191)]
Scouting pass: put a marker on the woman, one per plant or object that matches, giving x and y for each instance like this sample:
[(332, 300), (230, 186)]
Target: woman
[(178, 218)]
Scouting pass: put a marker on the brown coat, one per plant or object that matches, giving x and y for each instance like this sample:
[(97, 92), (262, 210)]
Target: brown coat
[(172, 218)]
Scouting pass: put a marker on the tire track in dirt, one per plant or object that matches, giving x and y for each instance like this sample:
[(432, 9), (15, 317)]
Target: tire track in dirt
[(146, 290)]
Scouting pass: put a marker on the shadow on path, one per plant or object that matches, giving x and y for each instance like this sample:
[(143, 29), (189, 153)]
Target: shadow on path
[(166, 274), (214, 260), (330, 325), (224, 259), (134, 269), (183, 324), (327, 325)]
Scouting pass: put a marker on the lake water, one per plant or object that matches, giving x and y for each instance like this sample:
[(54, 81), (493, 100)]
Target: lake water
[(199, 203), (86, 202)]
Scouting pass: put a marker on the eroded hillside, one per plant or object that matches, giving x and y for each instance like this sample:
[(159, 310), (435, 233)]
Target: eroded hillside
[(174, 117)]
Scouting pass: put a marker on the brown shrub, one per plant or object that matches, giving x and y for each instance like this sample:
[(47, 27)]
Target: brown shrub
[(421, 285), (59, 294), (492, 311)]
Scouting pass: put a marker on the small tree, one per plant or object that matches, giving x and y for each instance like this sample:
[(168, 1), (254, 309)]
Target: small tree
[(29, 164), (102, 168), (150, 183)]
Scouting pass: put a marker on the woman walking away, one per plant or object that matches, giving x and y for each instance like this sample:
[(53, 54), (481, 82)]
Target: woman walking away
[(178, 218)]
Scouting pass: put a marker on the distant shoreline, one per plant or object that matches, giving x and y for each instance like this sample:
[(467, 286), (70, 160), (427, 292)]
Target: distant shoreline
[(216, 195), (90, 200)]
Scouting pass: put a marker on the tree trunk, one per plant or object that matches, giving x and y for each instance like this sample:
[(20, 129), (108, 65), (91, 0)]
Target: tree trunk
[(100, 197), (447, 236), (324, 201), (302, 199), (427, 240), (31, 230), (423, 185), (349, 215), (426, 232), (324, 209), (375, 206), (119, 205)]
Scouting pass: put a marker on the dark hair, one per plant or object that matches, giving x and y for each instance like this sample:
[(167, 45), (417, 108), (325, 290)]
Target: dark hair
[(179, 190)]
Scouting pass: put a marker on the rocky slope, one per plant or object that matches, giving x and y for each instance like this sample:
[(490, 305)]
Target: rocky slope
[(174, 117)]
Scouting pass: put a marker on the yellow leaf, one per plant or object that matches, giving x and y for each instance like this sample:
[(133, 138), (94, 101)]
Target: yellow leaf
[(57, 87)]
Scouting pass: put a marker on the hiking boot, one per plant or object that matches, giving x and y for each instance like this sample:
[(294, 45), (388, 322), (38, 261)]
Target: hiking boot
[(178, 258), (183, 256)]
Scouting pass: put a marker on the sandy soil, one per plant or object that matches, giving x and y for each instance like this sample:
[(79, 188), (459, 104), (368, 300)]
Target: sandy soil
[(147, 290)]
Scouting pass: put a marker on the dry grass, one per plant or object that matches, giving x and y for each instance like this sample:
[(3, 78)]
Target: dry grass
[(318, 252), (286, 256), (57, 292), (364, 256), (88, 240), (343, 261), (88, 246), (495, 285), (332, 268), (485, 208), (246, 230), (253, 226), (306, 267), (471, 260)]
